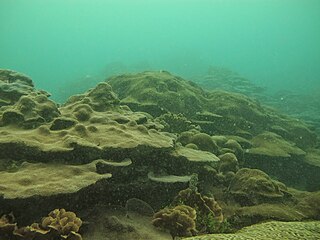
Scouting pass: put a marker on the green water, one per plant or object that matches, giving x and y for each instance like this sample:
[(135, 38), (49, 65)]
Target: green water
[(76, 43)]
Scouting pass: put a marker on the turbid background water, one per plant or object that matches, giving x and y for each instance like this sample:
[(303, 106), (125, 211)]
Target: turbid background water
[(58, 42)]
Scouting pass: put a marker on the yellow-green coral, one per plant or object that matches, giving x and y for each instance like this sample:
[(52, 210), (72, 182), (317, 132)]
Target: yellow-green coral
[(208, 210), (180, 220), (7, 226), (62, 221), (271, 230), (59, 224)]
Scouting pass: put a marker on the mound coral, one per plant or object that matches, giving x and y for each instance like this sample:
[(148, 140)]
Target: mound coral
[(202, 141), (228, 163), (252, 186)]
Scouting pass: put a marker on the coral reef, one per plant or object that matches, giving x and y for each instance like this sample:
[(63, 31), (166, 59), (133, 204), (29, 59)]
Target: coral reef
[(21, 104), (65, 224), (252, 186), (148, 140), (44, 180), (180, 220), (13, 85), (227, 80), (7, 226), (309, 205), (202, 141), (59, 224), (176, 123), (158, 92), (222, 113), (270, 230), (228, 163), (207, 209), (273, 145)]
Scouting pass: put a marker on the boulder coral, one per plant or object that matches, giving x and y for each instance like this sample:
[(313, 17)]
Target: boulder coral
[(228, 163), (235, 147), (252, 186), (203, 141)]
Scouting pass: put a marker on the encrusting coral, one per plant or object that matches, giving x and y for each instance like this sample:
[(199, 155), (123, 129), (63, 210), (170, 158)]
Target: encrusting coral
[(180, 220)]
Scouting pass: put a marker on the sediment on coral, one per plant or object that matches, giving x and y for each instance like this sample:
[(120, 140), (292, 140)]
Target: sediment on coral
[(149, 136)]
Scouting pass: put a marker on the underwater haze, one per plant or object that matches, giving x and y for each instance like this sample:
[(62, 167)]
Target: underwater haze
[(167, 119), (63, 42)]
